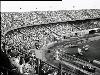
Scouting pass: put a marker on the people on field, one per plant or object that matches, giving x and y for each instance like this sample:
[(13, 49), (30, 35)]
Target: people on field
[(80, 51), (57, 55), (86, 47)]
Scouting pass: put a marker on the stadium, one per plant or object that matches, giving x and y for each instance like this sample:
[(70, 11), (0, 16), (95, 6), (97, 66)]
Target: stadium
[(64, 42)]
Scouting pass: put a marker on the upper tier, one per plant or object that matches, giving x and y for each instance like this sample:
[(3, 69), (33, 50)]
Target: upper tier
[(12, 20)]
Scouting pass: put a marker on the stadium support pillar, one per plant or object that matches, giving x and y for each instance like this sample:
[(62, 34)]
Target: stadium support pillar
[(60, 69), (39, 62)]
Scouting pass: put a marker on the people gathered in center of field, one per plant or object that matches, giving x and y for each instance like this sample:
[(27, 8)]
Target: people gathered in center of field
[(84, 49)]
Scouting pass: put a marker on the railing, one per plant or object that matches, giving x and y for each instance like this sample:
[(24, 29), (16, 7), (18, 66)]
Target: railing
[(66, 68)]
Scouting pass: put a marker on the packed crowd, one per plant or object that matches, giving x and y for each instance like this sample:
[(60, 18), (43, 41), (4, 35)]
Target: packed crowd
[(20, 41), (42, 34), (36, 36), (15, 19)]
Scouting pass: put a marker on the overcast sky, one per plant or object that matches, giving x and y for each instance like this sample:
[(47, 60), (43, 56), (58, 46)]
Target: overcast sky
[(22, 6)]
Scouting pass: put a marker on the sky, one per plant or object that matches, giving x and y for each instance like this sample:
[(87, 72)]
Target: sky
[(24, 6)]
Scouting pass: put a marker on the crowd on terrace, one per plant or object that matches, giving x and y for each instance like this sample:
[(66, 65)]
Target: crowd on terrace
[(34, 37), (44, 34), (16, 19)]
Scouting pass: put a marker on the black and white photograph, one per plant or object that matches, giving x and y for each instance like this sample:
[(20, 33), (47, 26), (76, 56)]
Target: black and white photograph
[(50, 37)]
